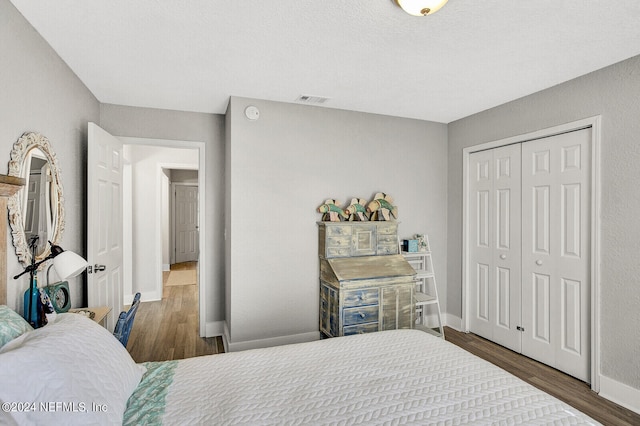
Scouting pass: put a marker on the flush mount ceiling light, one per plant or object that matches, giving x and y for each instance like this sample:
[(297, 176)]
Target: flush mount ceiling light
[(420, 7)]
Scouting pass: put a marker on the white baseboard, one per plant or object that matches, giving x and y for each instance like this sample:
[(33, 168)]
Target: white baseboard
[(214, 329), (620, 393), (166, 267), (264, 343), (453, 321), (447, 319), (147, 296), (431, 321)]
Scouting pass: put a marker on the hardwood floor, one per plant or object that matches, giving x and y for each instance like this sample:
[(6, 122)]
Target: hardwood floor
[(168, 329), (566, 388)]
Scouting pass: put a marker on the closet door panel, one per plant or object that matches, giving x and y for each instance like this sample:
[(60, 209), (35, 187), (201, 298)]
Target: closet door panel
[(541, 219), (494, 183), (481, 228), (482, 294), (506, 256), (555, 256), (540, 317), (504, 318), (571, 299)]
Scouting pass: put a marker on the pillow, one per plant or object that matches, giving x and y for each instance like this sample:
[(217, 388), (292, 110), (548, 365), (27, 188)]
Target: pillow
[(12, 325), (73, 371)]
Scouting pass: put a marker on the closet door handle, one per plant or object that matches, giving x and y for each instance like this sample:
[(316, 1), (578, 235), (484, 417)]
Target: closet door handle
[(503, 256), (539, 262)]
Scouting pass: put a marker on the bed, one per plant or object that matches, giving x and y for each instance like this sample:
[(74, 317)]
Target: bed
[(391, 377)]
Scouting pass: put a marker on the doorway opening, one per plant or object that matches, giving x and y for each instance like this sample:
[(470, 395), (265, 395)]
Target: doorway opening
[(149, 241)]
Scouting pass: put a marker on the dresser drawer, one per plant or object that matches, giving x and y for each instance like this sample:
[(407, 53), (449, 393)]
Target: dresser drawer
[(338, 252), (368, 296), (360, 315), (338, 230), (387, 239), (360, 329), (388, 228), (339, 241), (387, 244), (384, 249)]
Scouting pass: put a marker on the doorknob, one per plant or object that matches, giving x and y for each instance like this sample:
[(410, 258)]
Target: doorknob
[(538, 262), (503, 256), (96, 268)]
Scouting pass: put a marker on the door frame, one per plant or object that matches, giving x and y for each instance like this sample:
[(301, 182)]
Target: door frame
[(202, 267), (595, 124)]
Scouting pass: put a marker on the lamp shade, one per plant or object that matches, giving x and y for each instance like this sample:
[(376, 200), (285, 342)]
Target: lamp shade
[(420, 7), (68, 264)]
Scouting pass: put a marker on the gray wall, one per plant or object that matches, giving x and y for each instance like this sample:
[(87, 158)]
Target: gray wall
[(281, 167), (184, 176), (614, 93), (186, 126), (39, 93)]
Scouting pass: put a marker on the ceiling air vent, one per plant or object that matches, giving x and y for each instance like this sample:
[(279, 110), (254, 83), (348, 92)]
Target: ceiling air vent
[(308, 99)]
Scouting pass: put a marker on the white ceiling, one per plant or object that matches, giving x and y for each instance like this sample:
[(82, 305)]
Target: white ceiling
[(365, 55)]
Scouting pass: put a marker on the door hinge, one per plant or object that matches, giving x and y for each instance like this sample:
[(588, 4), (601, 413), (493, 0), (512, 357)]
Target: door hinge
[(89, 269), (520, 328)]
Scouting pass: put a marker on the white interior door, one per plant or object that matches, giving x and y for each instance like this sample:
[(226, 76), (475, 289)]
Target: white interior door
[(186, 223), (104, 222), (495, 244), (555, 256)]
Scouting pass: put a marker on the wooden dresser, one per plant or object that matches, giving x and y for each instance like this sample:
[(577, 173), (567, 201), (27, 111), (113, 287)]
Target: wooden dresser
[(365, 284)]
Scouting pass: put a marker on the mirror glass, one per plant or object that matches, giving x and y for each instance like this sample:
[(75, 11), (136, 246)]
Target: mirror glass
[(37, 209)]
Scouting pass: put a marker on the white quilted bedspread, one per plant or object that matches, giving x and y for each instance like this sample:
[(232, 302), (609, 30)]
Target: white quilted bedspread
[(393, 377)]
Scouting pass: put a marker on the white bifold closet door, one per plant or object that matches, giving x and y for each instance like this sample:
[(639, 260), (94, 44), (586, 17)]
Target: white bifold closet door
[(529, 249), (495, 245)]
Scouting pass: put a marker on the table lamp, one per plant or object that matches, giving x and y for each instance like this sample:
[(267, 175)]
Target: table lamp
[(67, 265)]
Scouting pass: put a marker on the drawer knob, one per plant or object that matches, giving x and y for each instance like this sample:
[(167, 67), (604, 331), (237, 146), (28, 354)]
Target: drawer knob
[(362, 315)]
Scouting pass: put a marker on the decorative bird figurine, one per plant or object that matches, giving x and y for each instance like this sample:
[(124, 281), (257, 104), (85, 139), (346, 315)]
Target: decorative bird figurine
[(357, 210), (381, 207), (332, 212)]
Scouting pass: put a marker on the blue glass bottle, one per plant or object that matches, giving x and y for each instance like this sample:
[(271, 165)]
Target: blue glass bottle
[(34, 293)]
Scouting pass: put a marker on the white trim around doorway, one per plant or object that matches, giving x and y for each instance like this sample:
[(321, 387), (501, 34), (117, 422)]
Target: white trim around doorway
[(595, 124)]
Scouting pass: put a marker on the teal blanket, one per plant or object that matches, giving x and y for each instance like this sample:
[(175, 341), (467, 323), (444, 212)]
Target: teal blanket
[(147, 403)]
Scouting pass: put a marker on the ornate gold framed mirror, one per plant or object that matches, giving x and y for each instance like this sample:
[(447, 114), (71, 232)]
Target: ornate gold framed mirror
[(38, 208)]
